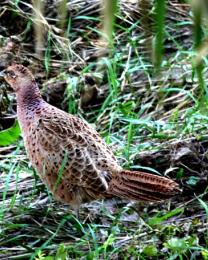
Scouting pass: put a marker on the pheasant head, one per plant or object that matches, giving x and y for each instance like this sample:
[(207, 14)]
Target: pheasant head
[(18, 76), (22, 82)]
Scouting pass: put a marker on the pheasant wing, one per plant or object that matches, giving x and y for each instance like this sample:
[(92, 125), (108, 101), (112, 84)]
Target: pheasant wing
[(69, 142)]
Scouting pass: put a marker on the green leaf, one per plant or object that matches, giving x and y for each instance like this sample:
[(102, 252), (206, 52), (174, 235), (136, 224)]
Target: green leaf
[(150, 250), (176, 244), (204, 205), (204, 254), (10, 135), (157, 220), (61, 253)]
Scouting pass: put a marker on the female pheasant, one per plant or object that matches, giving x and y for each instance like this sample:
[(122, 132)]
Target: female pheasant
[(69, 155)]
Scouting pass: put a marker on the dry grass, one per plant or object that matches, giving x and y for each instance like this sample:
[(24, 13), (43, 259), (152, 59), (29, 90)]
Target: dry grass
[(136, 110)]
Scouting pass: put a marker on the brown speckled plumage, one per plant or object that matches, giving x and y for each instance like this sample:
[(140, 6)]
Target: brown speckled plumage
[(71, 157)]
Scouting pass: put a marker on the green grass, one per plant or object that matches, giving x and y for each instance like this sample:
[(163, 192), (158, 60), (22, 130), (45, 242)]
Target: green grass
[(138, 111)]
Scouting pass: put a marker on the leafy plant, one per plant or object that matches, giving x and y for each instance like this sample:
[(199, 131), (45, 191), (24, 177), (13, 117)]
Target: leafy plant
[(10, 135)]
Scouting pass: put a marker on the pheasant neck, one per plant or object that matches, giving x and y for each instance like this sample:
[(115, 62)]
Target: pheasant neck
[(29, 97)]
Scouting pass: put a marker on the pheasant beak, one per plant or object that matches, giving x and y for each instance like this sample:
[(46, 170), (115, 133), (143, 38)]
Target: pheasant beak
[(2, 73)]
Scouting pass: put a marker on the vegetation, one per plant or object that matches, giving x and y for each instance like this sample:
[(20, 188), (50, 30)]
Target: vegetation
[(141, 78)]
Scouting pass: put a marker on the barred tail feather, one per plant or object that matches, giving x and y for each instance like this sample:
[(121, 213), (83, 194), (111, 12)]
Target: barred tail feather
[(142, 186)]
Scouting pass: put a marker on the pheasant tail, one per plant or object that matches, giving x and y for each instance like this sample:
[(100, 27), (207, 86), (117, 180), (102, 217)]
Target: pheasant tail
[(142, 186)]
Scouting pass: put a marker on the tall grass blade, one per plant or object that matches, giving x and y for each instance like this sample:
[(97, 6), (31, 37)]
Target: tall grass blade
[(38, 26), (110, 9), (62, 15), (198, 35), (158, 48)]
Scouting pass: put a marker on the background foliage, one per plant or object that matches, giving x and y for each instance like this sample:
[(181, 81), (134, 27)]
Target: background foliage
[(137, 70)]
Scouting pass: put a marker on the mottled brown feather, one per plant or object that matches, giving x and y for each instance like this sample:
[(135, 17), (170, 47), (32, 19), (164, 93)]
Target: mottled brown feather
[(71, 157)]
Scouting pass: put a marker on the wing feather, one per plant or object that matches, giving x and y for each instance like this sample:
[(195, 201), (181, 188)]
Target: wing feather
[(89, 161)]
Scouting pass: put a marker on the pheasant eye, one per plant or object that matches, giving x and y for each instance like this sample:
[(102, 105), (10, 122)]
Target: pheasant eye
[(11, 74)]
